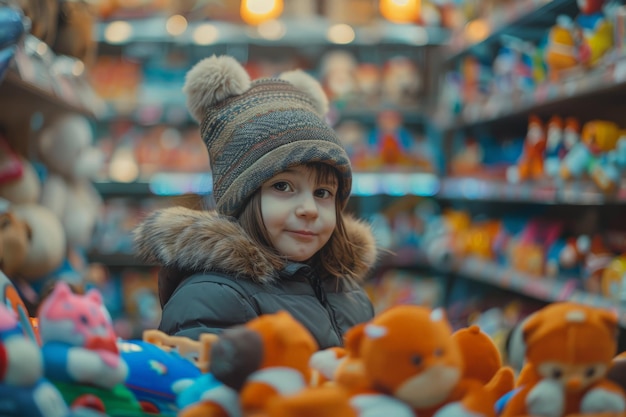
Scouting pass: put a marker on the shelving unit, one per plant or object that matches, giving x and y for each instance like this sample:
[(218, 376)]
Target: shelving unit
[(587, 94), (525, 19)]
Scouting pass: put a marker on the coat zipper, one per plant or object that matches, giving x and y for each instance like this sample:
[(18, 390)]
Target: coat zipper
[(323, 299)]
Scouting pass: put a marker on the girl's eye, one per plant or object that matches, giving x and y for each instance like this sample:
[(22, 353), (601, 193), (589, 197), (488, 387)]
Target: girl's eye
[(281, 186), (323, 193)]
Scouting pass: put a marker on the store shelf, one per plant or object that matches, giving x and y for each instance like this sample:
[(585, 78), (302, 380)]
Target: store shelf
[(603, 86), (21, 100), (291, 32), (525, 19), (363, 185), (118, 260), (541, 288), (150, 112), (547, 192)]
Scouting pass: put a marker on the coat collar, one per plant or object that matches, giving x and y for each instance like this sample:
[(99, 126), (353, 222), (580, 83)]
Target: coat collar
[(197, 241)]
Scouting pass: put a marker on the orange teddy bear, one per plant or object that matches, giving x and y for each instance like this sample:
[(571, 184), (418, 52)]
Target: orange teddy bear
[(409, 353), (569, 349), (265, 358), (482, 361)]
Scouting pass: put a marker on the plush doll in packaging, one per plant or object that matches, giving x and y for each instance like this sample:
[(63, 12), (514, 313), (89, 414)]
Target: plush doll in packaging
[(569, 349)]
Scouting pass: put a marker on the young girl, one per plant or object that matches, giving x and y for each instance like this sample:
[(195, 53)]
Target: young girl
[(278, 238)]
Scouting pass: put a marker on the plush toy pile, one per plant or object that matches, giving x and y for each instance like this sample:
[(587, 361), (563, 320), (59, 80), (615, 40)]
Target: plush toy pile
[(407, 361)]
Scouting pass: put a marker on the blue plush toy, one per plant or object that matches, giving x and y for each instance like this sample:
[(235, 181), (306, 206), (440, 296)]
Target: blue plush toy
[(156, 376), (13, 25)]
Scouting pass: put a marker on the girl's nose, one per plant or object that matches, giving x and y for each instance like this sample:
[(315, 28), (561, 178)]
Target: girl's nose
[(307, 207)]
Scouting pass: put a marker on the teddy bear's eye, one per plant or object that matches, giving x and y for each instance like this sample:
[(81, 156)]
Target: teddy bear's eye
[(590, 372), (416, 360), (557, 373)]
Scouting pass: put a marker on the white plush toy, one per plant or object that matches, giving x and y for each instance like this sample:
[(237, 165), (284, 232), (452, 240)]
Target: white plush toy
[(66, 148)]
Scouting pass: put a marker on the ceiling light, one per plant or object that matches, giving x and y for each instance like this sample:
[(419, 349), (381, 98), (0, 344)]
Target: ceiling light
[(400, 11), (118, 32), (255, 12), (341, 34)]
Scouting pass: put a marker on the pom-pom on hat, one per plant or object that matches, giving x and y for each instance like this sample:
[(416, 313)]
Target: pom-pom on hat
[(254, 130)]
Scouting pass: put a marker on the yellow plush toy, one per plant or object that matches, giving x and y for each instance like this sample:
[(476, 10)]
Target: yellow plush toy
[(569, 349), (408, 352)]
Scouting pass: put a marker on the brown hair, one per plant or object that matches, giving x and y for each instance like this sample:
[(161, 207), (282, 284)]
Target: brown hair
[(325, 260)]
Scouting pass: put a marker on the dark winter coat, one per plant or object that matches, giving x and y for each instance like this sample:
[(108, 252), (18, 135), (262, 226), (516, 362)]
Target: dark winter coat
[(215, 277)]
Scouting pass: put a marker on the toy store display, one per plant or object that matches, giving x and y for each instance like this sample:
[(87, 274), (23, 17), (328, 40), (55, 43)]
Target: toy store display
[(271, 366), (580, 53), (133, 153)]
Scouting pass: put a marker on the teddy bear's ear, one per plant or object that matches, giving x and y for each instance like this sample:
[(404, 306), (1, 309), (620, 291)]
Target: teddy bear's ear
[(609, 319), (353, 339)]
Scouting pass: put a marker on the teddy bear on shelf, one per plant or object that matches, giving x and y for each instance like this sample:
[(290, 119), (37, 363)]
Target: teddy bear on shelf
[(591, 156), (530, 164), (33, 240), (568, 350), (73, 162)]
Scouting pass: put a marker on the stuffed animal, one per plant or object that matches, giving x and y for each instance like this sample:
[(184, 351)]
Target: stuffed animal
[(568, 351), (19, 182), (65, 147), (10, 298), (423, 369), (267, 357), (81, 357), (23, 388), (43, 15), (74, 37), (47, 244), (15, 236), (530, 163), (34, 242), (482, 361), (312, 402), (561, 53)]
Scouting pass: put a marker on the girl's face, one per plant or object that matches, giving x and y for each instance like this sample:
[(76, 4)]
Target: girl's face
[(298, 210)]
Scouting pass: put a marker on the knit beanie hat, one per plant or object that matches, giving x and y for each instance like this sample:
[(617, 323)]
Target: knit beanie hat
[(254, 130)]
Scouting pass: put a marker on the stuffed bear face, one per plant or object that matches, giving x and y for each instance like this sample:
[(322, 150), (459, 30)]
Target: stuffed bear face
[(421, 367), (572, 344), (15, 235)]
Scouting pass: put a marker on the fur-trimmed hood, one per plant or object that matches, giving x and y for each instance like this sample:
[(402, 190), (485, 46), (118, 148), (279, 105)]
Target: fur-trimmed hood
[(197, 241)]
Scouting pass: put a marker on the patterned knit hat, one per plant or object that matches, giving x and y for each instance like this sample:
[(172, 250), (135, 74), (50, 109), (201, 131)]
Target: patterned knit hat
[(254, 130)]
